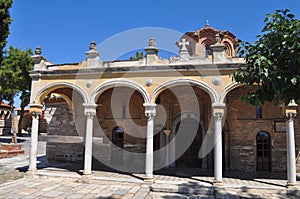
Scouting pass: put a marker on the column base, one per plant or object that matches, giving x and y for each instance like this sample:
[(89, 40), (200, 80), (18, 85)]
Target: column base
[(291, 185), (149, 179), (218, 183), (87, 174), (31, 171)]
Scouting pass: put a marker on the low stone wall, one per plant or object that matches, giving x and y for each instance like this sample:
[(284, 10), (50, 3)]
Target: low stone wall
[(65, 152), (71, 149), (66, 148)]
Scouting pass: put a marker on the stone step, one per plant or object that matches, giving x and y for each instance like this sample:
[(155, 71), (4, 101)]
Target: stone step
[(10, 147), (191, 188), (7, 153), (182, 189), (93, 179)]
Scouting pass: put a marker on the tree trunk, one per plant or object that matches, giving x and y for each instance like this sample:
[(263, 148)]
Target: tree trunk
[(14, 132), (21, 114)]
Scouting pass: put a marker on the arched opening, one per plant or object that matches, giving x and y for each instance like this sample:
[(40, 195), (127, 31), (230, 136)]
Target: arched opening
[(118, 145), (204, 48), (188, 133), (263, 151), (65, 131), (118, 136), (121, 125), (207, 51), (184, 117), (228, 49)]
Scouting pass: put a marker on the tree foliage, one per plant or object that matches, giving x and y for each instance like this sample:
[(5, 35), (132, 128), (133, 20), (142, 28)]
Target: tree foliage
[(14, 72), (14, 77), (138, 56), (5, 21), (273, 61)]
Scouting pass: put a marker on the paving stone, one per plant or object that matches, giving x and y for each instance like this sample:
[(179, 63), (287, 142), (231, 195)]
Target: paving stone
[(31, 190), (138, 197), (226, 195), (107, 192), (75, 196), (116, 196), (142, 192), (121, 191), (3, 191), (99, 189), (134, 189), (128, 196), (89, 196), (52, 193)]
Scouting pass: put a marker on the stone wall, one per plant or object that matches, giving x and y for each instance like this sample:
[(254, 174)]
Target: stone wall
[(67, 129), (65, 152), (64, 135), (243, 127)]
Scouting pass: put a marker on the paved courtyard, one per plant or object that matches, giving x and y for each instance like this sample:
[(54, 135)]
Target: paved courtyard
[(61, 181), (54, 185)]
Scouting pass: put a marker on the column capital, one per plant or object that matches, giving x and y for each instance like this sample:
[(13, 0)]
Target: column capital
[(90, 109), (218, 110), (167, 132), (150, 110), (291, 110), (35, 109), (290, 116)]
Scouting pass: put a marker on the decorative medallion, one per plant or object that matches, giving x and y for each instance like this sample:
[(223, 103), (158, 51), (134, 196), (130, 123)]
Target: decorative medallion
[(149, 82), (89, 83), (217, 81)]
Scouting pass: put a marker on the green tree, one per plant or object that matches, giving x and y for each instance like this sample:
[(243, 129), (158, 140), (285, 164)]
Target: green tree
[(15, 79), (138, 56), (272, 61), (5, 21)]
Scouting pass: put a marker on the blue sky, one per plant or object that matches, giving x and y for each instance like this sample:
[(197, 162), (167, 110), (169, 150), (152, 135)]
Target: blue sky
[(64, 28)]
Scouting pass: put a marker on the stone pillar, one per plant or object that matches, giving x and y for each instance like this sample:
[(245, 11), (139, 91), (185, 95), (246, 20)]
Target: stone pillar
[(90, 112), (36, 111), (150, 112), (218, 112), (167, 133), (151, 52), (172, 150), (92, 57), (40, 62), (218, 50), (291, 112)]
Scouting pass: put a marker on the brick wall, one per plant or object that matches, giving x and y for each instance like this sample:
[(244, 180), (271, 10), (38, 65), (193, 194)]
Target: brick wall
[(244, 126), (241, 128)]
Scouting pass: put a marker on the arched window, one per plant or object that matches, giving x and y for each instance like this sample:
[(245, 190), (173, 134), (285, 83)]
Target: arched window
[(263, 151), (118, 136), (228, 49), (258, 112), (207, 50)]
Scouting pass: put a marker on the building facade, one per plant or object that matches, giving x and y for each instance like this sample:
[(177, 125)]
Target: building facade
[(155, 113), (5, 118)]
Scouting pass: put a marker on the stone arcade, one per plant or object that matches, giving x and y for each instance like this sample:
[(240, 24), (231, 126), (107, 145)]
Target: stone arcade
[(158, 113)]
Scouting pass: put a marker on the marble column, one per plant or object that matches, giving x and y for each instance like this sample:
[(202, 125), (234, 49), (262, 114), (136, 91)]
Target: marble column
[(218, 112), (150, 112), (36, 111), (291, 155), (90, 112), (172, 150), (167, 133)]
